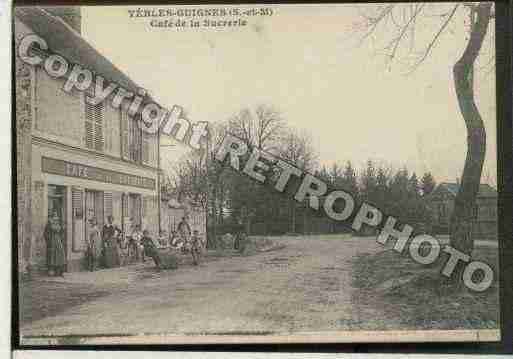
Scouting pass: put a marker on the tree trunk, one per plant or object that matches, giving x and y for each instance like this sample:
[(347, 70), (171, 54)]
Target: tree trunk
[(465, 202)]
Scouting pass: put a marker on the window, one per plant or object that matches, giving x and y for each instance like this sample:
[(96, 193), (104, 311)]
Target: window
[(107, 198), (124, 200), (125, 134), (145, 148), (135, 141), (136, 144), (93, 125)]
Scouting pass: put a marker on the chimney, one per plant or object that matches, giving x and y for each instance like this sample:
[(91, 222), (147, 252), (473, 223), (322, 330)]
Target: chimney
[(69, 14)]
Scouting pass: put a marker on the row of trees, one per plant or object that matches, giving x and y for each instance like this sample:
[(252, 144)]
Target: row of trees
[(228, 196), (400, 42), (232, 198), (396, 192)]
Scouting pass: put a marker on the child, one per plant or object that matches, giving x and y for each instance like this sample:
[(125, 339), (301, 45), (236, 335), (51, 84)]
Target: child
[(195, 247)]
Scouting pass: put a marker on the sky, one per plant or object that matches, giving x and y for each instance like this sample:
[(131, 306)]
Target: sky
[(306, 61)]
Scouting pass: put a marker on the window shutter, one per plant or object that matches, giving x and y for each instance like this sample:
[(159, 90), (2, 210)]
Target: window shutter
[(145, 148), (138, 209), (77, 202), (107, 198), (125, 134), (125, 205), (107, 134), (98, 130), (132, 139), (136, 139), (138, 142), (78, 220), (93, 124), (89, 126)]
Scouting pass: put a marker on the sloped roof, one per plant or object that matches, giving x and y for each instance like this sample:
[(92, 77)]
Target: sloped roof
[(485, 190), (65, 41)]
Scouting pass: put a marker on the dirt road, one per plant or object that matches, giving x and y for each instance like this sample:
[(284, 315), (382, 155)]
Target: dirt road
[(305, 286)]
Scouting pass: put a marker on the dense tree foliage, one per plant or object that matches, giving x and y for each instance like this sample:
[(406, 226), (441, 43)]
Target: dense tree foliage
[(236, 200)]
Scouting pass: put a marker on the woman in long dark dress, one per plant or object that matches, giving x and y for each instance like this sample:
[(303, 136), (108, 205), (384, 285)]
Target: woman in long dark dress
[(55, 256), (111, 257), (184, 231)]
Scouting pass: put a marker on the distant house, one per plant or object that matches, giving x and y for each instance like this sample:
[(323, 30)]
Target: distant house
[(441, 203)]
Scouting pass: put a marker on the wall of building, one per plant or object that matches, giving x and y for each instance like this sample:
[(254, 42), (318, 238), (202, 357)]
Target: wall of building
[(24, 98), (24, 93), (41, 181), (58, 114), (51, 123), (70, 14)]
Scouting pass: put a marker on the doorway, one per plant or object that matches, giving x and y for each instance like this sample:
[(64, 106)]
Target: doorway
[(57, 206)]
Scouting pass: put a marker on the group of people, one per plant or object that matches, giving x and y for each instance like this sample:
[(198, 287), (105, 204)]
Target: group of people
[(187, 241), (106, 247), (103, 248), (140, 245)]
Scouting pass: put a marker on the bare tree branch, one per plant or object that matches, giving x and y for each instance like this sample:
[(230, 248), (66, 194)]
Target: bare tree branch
[(436, 36), (398, 40)]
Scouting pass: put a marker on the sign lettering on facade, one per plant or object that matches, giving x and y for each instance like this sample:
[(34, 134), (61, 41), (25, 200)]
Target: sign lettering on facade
[(70, 169)]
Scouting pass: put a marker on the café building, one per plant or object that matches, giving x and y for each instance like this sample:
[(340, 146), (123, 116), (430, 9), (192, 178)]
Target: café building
[(82, 161)]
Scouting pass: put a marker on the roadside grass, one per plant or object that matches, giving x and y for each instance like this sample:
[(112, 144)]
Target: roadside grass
[(415, 296)]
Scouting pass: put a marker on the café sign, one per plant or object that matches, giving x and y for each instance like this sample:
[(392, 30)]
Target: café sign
[(70, 169)]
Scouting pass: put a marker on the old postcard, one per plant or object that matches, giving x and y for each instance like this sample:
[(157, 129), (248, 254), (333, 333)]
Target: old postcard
[(256, 173)]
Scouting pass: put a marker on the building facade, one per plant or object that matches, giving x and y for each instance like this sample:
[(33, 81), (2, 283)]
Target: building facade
[(76, 160), (441, 204)]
